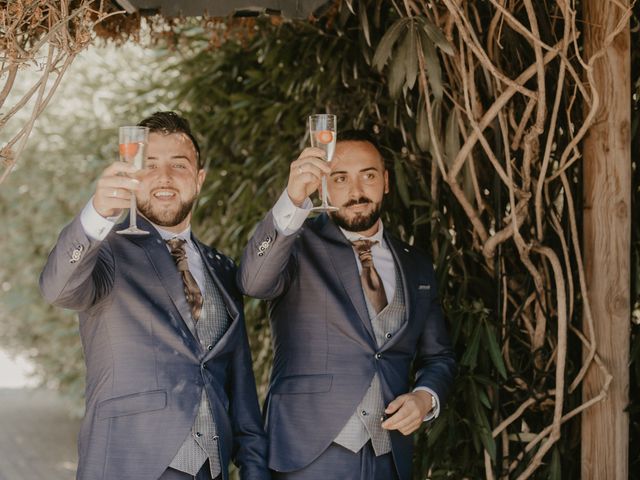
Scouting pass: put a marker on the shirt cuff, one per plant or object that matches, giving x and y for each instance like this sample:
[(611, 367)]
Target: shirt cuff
[(95, 225), (435, 411), (288, 217)]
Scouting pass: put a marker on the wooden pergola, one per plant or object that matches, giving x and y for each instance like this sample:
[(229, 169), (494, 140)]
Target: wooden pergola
[(607, 215), (607, 246)]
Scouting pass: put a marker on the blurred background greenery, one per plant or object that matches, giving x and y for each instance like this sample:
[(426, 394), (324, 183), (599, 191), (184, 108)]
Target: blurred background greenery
[(247, 99)]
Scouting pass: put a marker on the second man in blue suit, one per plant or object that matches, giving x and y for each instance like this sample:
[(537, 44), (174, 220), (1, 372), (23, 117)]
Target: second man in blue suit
[(352, 310)]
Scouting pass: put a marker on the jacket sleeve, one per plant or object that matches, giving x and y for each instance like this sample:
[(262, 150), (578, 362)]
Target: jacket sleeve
[(267, 262), (79, 270), (435, 363), (249, 438)]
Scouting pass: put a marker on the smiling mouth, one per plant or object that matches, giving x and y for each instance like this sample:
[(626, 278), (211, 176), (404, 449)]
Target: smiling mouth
[(164, 194)]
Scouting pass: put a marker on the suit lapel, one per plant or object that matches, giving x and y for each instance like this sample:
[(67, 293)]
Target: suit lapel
[(342, 258), (221, 271), (403, 262), (165, 268)]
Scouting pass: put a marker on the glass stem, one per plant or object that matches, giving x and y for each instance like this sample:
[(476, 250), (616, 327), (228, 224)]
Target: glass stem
[(133, 211), (325, 197)]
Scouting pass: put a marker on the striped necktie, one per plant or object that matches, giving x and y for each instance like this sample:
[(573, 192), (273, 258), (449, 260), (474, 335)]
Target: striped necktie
[(191, 289), (371, 282)]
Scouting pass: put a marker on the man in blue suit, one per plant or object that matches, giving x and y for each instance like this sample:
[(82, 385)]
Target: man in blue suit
[(352, 310), (170, 390)]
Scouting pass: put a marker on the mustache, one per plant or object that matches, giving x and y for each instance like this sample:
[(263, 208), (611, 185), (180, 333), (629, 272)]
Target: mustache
[(357, 201)]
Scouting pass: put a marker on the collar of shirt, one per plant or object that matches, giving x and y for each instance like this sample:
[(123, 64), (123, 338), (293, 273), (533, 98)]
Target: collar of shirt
[(167, 235), (379, 236)]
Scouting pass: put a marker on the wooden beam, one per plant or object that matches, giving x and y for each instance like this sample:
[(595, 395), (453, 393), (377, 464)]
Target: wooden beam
[(607, 242)]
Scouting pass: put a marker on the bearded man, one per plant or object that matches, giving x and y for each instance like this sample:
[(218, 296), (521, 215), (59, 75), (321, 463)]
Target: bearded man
[(170, 392), (353, 311)]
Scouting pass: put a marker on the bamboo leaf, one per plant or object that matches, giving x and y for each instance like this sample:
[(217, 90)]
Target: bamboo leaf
[(349, 4), (482, 396), (411, 56), (423, 137), (484, 430), (470, 357), (432, 66), (467, 181), (384, 48), (555, 471), (494, 350), (401, 182), (452, 137), (364, 21), (397, 72), (436, 35)]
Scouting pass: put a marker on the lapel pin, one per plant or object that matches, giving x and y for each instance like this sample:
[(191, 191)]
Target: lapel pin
[(76, 254)]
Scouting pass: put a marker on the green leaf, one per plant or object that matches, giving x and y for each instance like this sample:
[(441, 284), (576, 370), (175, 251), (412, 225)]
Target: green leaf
[(411, 56), (484, 430), (470, 357), (432, 66), (494, 350), (364, 21), (401, 182), (482, 396), (385, 47), (397, 70), (452, 137), (436, 35), (423, 137), (555, 469)]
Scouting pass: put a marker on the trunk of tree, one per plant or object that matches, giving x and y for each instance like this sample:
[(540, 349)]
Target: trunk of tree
[(607, 242)]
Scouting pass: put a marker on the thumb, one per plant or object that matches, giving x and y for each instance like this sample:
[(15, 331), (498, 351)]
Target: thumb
[(395, 404)]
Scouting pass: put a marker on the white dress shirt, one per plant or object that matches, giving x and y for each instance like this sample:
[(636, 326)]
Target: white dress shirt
[(288, 219), (98, 227)]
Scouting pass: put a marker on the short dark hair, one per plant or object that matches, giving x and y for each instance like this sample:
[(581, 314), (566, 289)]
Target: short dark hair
[(355, 135), (170, 122)]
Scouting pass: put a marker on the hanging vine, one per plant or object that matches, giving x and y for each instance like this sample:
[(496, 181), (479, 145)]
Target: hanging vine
[(513, 102)]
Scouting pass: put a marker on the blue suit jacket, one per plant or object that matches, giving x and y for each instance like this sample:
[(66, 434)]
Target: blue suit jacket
[(145, 369), (325, 352)]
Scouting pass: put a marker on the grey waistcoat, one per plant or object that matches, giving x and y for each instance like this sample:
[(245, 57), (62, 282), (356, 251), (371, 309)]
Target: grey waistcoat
[(364, 424), (202, 443)]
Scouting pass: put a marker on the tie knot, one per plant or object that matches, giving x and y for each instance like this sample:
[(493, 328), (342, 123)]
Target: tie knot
[(178, 252), (363, 248)]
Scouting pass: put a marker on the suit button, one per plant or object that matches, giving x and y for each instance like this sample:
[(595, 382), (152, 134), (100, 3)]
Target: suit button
[(210, 347), (388, 335), (363, 413), (215, 438), (378, 356), (198, 434)]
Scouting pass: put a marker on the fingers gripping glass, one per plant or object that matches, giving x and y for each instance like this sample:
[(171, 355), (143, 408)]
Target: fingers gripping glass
[(323, 132), (133, 148)]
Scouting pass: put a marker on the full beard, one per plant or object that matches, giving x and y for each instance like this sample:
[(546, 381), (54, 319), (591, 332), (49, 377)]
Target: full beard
[(360, 222), (167, 217)]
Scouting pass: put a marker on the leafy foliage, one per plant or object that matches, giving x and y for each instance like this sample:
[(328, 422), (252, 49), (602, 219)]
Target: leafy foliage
[(71, 144), (248, 99)]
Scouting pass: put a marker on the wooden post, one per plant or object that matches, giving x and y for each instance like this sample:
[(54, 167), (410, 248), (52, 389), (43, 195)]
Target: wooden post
[(607, 242)]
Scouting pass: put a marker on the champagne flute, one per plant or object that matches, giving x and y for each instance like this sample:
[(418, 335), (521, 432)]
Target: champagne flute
[(133, 149), (322, 129)]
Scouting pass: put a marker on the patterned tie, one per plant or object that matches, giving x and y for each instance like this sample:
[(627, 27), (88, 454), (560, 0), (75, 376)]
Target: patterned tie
[(371, 283), (191, 290)]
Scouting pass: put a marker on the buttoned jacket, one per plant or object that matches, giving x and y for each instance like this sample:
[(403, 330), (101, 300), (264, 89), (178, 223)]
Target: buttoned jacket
[(325, 350), (145, 369)]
